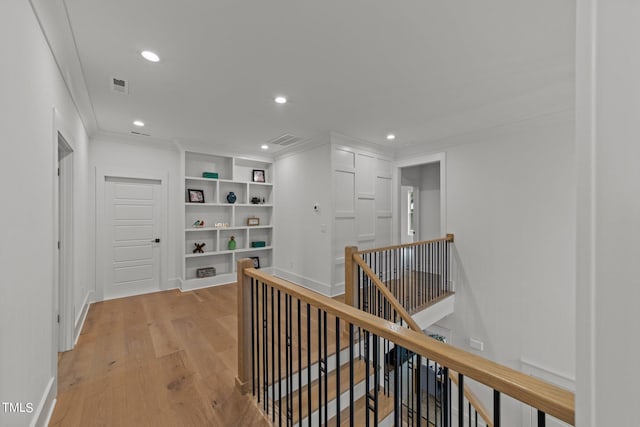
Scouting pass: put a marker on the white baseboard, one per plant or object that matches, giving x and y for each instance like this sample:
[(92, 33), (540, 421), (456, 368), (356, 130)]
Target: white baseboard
[(322, 288), (82, 316), (173, 283), (43, 412)]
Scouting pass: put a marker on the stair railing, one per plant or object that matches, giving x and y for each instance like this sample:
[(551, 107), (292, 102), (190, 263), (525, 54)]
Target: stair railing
[(417, 274), (425, 282), (299, 353)]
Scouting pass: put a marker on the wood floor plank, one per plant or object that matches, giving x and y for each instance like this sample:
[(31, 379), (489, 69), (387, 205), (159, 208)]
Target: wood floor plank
[(162, 359)]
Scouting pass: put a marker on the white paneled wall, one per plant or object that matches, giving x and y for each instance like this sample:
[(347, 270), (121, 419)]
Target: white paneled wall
[(362, 189)]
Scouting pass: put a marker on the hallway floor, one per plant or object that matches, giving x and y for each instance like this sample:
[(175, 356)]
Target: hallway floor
[(162, 359)]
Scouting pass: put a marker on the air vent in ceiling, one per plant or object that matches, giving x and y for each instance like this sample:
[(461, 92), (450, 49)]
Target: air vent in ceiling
[(139, 133), (119, 85), (286, 140)]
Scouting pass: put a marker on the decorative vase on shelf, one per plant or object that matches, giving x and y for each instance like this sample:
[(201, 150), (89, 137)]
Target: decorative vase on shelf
[(232, 243), (231, 197)]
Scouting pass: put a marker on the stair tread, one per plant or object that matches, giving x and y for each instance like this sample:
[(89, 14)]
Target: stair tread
[(385, 408), (358, 376)]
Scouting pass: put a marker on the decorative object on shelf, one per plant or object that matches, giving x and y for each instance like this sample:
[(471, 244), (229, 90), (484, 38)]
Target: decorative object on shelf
[(205, 272), (253, 221), (232, 243), (221, 225), (198, 249), (256, 261), (231, 197), (259, 244), (263, 201), (258, 175), (198, 224), (195, 196), (211, 175), (256, 200)]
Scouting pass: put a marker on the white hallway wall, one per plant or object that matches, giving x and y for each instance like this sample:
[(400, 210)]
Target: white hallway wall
[(608, 102), (119, 154), (302, 249), (27, 357), (511, 206)]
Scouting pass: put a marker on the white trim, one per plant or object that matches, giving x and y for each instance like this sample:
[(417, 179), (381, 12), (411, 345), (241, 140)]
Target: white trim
[(440, 158), (323, 288), (43, 412), (82, 316), (101, 174)]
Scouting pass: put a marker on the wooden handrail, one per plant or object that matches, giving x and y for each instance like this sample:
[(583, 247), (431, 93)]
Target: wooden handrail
[(448, 238), (546, 397)]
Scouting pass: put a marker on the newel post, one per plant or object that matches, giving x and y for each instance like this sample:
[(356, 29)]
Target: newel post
[(350, 276), (244, 326)]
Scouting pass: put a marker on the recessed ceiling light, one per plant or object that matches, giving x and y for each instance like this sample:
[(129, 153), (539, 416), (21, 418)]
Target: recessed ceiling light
[(391, 137), (281, 100), (138, 123), (150, 56), (264, 146)]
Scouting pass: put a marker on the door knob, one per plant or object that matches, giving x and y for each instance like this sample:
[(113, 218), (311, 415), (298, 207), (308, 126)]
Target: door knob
[(156, 240)]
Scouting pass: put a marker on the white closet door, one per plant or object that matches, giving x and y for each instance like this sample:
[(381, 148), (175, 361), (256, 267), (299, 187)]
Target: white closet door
[(132, 219)]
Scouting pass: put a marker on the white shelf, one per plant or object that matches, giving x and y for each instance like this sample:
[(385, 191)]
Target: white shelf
[(234, 175)]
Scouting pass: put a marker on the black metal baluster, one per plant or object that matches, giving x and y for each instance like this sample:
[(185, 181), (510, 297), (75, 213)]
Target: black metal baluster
[(265, 352), (446, 399), (337, 371), (366, 370), (258, 340), (273, 363), (469, 405), (290, 355), (287, 373), (418, 385), (351, 392), (320, 368), (253, 343), (427, 391), (397, 399), (279, 360), (542, 419), (496, 408), (309, 363), (326, 369), (460, 400), (410, 414), (376, 376), (299, 365)]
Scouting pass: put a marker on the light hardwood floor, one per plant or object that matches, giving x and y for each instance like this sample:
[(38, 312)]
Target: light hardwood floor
[(162, 359)]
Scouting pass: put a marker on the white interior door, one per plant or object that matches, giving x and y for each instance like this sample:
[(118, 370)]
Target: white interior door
[(132, 218)]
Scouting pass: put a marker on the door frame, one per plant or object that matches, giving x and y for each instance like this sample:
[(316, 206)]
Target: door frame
[(63, 221), (397, 176), (102, 239)]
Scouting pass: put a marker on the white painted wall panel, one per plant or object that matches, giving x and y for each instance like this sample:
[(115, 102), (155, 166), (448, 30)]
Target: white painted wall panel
[(365, 176), (130, 274), (344, 159), (366, 214), (124, 233), (344, 191)]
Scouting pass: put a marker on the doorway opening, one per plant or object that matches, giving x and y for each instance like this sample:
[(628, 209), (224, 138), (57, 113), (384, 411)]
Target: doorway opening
[(421, 201)]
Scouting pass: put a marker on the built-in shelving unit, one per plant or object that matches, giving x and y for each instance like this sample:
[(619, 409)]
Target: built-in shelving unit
[(223, 219)]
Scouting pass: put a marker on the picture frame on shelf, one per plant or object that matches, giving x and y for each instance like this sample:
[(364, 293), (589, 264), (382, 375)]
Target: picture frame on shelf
[(253, 221), (259, 175), (256, 261), (195, 196)]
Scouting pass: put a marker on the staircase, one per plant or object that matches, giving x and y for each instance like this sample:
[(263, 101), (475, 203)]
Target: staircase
[(310, 360)]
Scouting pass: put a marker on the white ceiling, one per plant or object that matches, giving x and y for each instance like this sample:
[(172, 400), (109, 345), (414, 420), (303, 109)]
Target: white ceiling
[(422, 69)]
